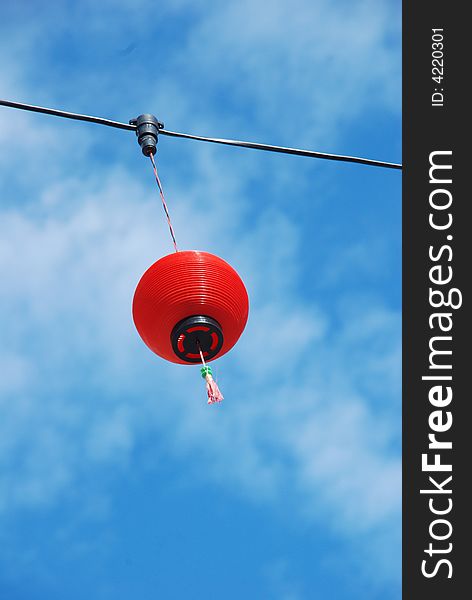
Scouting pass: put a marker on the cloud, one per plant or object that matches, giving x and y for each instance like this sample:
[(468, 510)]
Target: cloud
[(320, 54), (71, 273)]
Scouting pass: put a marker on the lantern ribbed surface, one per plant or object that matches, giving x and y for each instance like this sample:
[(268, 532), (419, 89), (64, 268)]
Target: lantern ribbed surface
[(184, 284)]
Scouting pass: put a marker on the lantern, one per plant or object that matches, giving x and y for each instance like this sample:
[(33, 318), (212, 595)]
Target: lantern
[(190, 307)]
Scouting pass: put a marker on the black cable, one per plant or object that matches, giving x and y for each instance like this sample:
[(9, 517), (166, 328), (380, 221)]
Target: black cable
[(295, 151), (241, 144), (67, 115)]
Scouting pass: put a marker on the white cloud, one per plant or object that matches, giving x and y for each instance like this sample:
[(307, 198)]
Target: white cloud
[(329, 61), (71, 273)]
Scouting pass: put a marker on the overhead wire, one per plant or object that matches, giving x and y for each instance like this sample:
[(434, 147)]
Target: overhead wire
[(68, 115), (227, 142), (285, 150)]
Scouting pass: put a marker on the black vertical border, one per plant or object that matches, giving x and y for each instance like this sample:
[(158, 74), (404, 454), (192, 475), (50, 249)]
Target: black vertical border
[(427, 128)]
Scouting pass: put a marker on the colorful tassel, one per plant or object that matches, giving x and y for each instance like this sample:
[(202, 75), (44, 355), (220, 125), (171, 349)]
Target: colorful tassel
[(213, 391)]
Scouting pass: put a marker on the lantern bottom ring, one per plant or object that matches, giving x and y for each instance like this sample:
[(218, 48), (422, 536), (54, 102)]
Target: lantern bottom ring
[(195, 333)]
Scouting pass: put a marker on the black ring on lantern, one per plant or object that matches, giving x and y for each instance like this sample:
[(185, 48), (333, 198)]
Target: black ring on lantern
[(196, 333)]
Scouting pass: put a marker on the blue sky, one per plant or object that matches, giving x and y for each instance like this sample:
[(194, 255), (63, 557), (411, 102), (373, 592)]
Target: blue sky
[(116, 478)]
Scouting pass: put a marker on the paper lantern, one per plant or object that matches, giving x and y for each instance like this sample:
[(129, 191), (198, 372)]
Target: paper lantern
[(190, 301)]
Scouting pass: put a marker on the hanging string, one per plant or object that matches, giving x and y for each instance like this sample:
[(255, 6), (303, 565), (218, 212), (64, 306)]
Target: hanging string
[(213, 391), (171, 229)]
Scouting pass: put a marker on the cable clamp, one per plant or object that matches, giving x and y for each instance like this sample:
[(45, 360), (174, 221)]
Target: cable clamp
[(147, 130)]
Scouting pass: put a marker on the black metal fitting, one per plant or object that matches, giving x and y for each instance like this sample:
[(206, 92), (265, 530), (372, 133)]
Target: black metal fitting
[(147, 130)]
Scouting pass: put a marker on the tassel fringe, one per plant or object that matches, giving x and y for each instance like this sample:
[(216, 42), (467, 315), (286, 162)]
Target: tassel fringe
[(213, 391)]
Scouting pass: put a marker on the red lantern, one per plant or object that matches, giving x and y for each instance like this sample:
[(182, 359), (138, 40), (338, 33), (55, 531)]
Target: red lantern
[(188, 302)]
